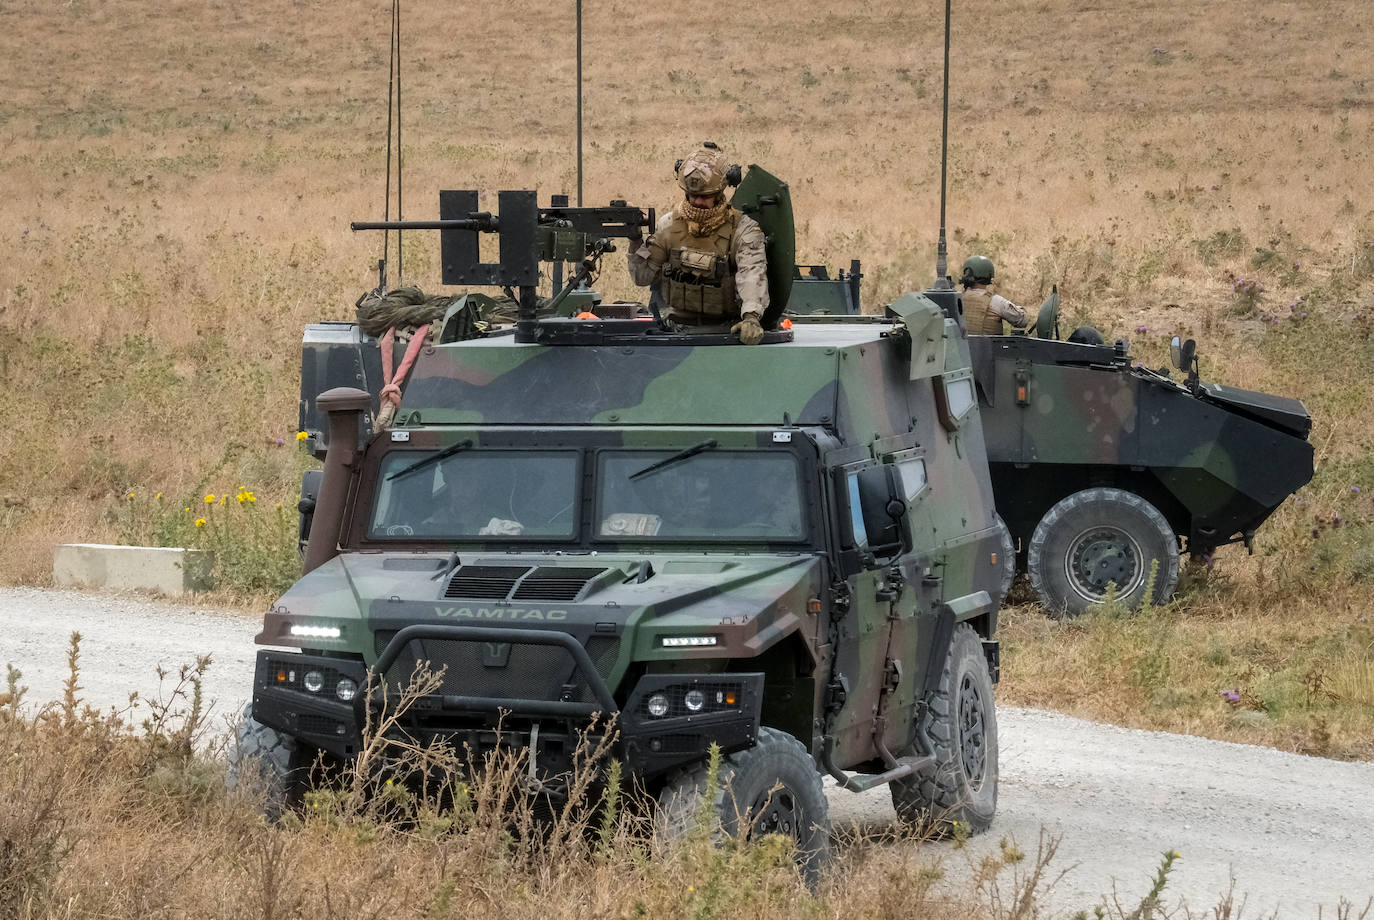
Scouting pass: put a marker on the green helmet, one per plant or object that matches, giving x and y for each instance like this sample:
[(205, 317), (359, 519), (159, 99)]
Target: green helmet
[(977, 270)]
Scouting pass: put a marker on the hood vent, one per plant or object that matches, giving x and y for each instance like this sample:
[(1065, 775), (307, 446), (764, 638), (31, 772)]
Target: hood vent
[(493, 582), (555, 583), (521, 582)]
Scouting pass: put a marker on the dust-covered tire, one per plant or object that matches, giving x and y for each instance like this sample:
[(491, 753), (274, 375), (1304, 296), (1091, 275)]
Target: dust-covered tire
[(772, 787), (1006, 559), (959, 729), (1098, 536), (265, 763)]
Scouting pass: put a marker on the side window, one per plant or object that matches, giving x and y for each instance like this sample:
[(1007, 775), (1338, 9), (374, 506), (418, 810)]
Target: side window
[(913, 473), (954, 398), (856, 511)]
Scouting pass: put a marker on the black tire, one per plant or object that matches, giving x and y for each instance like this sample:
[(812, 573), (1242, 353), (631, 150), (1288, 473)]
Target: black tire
[(959, 730), (1006, 559), (265, 763), (1098, 536), (772, 787)]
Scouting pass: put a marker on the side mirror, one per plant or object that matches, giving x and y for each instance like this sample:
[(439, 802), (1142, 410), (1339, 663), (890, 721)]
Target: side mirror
[(877, 512), (1183, 355), (310, 491)]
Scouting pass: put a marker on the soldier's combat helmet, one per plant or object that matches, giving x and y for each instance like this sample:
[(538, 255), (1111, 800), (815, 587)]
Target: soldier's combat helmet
[(977, 270), (703, 173)]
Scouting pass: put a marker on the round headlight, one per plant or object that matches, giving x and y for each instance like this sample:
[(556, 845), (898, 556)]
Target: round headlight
[(313, 681), (695, 700), (346, 689), (658, 705)]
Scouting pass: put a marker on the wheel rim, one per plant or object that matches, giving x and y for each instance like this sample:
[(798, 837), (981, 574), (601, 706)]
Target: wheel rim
[(1101, 555), (776, 811), (972, 733)]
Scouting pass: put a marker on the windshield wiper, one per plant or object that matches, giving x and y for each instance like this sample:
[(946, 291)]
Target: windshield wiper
[(431, 459), (675, 458)]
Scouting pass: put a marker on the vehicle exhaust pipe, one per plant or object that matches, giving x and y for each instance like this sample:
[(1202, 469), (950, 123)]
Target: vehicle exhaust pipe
[(345, 407)]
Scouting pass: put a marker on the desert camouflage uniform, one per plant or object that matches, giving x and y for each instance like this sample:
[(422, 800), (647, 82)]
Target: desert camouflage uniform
[(984, 312), (710, 280)]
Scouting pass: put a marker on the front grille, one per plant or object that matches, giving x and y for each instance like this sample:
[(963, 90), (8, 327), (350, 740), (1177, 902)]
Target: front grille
[(493, 582), (481, 669), (555, 583)]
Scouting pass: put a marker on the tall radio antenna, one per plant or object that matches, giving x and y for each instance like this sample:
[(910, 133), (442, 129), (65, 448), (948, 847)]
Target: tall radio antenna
[(579, 103), (942, 282)]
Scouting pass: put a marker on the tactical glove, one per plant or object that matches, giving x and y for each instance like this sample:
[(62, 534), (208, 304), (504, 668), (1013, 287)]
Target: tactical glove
[(749, 330)]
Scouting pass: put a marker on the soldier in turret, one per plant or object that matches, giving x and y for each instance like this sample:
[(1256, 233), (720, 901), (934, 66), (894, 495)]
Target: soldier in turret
[(706, 258), (983, 309)]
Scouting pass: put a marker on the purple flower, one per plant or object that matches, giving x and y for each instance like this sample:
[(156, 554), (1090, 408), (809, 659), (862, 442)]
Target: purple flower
[(1215, 187), (1231, 696), (1142, 329), (1354, 488)]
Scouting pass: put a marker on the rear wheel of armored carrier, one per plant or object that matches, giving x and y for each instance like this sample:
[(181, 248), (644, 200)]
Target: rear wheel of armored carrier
[(1099, 537), (771, 788), (959, 729), (265, 763)]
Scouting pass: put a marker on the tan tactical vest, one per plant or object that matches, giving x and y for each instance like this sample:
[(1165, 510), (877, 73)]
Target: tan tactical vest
[(699, 273), (978, 313)]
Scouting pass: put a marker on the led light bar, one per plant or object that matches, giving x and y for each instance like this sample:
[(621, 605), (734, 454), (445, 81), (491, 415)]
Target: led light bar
[(316, 632), (687, 641)]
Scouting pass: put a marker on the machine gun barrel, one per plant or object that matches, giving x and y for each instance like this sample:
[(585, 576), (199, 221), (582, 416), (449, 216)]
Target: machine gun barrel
[(487, 224)]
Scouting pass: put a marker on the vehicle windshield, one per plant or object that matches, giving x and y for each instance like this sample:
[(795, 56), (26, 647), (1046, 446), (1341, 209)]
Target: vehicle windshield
[(510, 494), (712, 494)]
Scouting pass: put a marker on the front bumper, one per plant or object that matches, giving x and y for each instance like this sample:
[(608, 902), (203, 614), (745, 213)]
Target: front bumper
[(474, 723)]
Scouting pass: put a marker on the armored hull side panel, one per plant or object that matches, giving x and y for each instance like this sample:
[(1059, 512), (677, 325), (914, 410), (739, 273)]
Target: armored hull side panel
[(1061, 417)]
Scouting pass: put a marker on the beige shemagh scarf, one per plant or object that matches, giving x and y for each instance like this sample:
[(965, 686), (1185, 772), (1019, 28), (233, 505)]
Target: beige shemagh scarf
[(703, 221)]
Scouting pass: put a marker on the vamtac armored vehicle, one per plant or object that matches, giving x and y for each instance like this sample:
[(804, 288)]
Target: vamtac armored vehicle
[(789, 550), (1103, 469)]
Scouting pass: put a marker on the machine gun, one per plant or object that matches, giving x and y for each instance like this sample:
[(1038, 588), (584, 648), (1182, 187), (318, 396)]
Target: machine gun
[(528, 234)]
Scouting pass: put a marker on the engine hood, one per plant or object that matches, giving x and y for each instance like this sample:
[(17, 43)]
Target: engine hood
[(745, 603)]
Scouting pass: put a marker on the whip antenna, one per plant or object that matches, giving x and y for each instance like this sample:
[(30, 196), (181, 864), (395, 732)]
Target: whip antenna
[(393, 117), (942, 281), (579, 103)]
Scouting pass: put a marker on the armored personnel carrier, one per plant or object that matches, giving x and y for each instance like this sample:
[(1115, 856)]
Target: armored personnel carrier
[(1105, 470), (788, 550)]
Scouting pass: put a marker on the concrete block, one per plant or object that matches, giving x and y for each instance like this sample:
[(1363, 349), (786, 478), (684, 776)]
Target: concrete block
[(170, 570)]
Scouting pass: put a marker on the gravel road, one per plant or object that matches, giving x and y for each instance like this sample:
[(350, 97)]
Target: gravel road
[(1297, 833)]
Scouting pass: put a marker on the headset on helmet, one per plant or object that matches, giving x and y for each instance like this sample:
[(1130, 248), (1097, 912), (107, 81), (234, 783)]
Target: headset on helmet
[(706, 171)]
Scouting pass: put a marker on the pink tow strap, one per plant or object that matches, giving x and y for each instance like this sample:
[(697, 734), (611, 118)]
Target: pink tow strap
[(391, 393)]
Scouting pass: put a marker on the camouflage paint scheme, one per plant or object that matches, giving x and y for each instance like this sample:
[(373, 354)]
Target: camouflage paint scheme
[(821, 642), (1216, 463)]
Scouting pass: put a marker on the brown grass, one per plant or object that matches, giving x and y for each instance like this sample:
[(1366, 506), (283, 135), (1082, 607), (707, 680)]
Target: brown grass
[(178, 177), (100, 820)]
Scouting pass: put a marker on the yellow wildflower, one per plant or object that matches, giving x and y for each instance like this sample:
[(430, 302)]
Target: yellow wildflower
[(159, 496), (131, 496), (187, 510), (200, 522), (210, 499), (301, 435), (245, 496)]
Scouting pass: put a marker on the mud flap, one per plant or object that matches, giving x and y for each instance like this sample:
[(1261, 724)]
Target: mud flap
[(766, 199)]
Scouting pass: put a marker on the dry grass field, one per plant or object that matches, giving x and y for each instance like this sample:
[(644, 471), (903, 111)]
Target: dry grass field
[(178, 177)]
